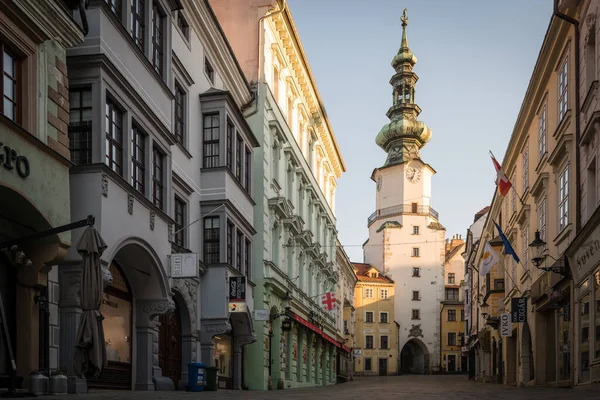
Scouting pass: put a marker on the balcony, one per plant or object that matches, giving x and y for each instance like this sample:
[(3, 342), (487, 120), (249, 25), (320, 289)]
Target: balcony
[(401, 209)]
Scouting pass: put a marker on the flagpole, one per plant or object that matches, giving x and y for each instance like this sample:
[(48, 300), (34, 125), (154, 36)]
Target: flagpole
[(511, 184), (504, 267)]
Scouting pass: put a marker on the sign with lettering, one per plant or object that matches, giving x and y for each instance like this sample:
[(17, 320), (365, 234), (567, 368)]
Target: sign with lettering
[(519, 309), (505, 325), (587, 256), (237, 288), (11, 160), (261, 314), (184, 265), (235, 307), (567, 313)]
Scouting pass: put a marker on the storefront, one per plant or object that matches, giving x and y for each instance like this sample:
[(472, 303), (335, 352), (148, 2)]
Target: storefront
[(584, 257), (222, 359)]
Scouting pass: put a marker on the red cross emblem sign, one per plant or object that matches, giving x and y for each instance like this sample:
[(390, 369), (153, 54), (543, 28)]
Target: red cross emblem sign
[(328, 300)]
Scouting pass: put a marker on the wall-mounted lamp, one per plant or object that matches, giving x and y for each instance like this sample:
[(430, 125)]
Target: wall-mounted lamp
[(539, 252)]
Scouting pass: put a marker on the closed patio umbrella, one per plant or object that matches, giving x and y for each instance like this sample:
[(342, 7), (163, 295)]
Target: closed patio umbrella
[(90, 352)]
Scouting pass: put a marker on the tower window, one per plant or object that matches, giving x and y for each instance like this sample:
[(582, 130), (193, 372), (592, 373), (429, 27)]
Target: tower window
[(416, 272), (414, 208), (415, 252), (415, 230)]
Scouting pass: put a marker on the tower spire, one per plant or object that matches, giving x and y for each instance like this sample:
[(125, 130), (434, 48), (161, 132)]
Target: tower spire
[(404, 135)]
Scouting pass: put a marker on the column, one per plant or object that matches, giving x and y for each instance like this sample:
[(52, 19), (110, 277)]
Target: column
[(300, 355), (210, 329), (189, 345), (239, 341), (309, 356), (146, 329)]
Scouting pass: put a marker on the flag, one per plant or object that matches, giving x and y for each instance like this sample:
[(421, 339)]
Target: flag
[(508, 249), (502, 181), (328, 300), (489, 258)]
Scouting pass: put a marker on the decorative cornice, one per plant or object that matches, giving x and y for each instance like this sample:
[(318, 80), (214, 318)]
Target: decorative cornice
[(180, 69)]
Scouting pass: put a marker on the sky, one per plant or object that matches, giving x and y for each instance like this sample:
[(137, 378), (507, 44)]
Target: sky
[(475, 59)]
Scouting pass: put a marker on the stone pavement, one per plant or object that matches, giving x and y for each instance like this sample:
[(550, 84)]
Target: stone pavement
[(417, 387)]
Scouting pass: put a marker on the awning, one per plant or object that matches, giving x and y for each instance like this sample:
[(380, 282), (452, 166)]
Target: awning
[(320, 332)]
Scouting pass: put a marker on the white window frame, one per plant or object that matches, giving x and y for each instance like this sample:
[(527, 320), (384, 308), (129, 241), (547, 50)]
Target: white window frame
[(388, 342), (542, 131), (416, 230), (563, 89), (563, 199), (372, 317), (368, 293), (541, 216), (387, 317), (525, 168), (370, 348), (415, 252), (383, 293)]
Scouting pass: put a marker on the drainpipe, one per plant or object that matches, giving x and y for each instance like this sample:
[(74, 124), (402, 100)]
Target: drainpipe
[(441, 337), (255, 91), (575, 23)]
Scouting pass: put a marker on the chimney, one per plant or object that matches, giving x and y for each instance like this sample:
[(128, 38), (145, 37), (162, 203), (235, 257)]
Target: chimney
[(456, 241)]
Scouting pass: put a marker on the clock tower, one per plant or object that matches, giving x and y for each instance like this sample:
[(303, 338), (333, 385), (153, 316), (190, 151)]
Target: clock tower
[(406, 240)]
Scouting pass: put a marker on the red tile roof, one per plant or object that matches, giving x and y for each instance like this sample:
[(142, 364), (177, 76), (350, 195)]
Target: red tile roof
[(362, 269)]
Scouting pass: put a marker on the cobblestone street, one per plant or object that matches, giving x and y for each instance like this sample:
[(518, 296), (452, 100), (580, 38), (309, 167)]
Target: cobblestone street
[(422, 387)]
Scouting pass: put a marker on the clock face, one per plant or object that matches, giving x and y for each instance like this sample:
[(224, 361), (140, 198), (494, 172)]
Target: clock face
[(379, 182), (413, 174)]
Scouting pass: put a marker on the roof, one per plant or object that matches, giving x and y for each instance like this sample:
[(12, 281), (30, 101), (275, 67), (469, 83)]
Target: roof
[(483, 210), (453, 251), (361, 270)]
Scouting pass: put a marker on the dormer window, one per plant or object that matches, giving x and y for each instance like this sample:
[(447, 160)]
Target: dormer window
[(373, 274)]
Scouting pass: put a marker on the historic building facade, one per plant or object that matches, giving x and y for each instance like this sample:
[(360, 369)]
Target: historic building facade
[(345, 313), (452, 313), (376, 333), (34, 181), (296, 167), (406, 240)]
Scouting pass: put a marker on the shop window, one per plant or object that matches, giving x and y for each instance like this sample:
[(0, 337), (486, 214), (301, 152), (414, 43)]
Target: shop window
[(222, 355), (584, 346)]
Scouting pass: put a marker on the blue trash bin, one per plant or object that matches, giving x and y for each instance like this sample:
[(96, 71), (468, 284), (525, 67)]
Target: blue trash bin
[(196, 376)]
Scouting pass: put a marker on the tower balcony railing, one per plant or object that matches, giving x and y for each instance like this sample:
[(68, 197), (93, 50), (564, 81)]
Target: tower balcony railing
[(402, 209)]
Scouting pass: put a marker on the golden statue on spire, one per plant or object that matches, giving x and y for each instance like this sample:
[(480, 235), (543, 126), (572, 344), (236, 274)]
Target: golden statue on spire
[(404, 18)]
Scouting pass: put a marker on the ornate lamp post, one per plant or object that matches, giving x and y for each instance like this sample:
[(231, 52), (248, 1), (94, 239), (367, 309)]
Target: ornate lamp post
[(539, 252)]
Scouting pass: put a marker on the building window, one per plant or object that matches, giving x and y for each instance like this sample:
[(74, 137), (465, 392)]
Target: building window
[(230, 243), (211, 141), (525, 169), (462, 315), (415, 252), (346, 332), (369, 342), (590, 57), (525, 244), (562, 89), (9, 84), (541, 214), (383, 293), (208, 69), (368, 363), (415, 295), (180, 96), (115, 7), (451, 339), (596, 278), (542, 132), (138, 148), (451, 315), (157, 177), (80, 125), (513, 199), (369, 293), (157, 38), (137, 22), (416, 314), (414, 208), (247, 258), (369, 316), (416, 272), (211, 240), (383, 342), (230, 133), (238, 158), (247, 170), (563, 199), (415, 230), (114, 138), (383, 317), (451, 278), (183, 25), (238, 251), (451, 294), (179, 222), (584, 343)]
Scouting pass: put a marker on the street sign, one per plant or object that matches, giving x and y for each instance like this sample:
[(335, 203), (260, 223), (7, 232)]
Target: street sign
[(505, 325), (261, 315), (237, 306), (237, 288), (519, 309), (184, 265)]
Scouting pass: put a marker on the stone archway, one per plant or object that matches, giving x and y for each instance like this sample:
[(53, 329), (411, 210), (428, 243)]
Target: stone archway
[(184, 294), (526, 354), (415, 357)]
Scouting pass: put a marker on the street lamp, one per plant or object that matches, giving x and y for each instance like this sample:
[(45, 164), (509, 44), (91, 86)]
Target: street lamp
[(287, 301), (539, 251), (484, 309)]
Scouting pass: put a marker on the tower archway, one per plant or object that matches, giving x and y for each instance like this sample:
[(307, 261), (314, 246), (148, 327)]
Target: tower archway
[(414, 357)]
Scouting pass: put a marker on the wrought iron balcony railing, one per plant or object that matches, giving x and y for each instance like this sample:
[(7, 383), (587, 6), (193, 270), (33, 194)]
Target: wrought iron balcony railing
[(402, 209)]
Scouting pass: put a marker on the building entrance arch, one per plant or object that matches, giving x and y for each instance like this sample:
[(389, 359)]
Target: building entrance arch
[(414, 357)]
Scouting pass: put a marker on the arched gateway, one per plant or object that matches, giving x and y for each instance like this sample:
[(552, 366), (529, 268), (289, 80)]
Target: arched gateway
[(414, 357)]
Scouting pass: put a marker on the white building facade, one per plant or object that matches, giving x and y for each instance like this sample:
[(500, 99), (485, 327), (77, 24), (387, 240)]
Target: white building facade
[(406, 240)]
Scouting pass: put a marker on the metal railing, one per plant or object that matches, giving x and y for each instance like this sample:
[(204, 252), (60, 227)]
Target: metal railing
[(402, 209)]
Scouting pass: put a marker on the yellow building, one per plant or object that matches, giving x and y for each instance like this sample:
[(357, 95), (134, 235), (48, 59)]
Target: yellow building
[(376, 332), (452, 313)]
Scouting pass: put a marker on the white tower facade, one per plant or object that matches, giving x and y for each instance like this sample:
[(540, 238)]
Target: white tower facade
[(406, 240)]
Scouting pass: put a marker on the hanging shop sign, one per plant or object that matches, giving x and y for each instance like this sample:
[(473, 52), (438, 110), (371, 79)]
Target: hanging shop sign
[(505, 325), (237, 288), (184, 265), (519, 309), (237, 306), (13, 161)]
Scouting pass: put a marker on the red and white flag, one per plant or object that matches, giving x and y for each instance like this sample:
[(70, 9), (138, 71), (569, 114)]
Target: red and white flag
[(502, 181), (328, 300)]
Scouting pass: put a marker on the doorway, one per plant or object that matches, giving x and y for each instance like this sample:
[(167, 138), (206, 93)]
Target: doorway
[(451, 363), (383, 366), (169, 350)]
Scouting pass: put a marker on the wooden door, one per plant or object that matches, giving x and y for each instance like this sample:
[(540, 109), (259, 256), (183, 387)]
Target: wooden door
[(383, 366), (169, 351), (451, 363)]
